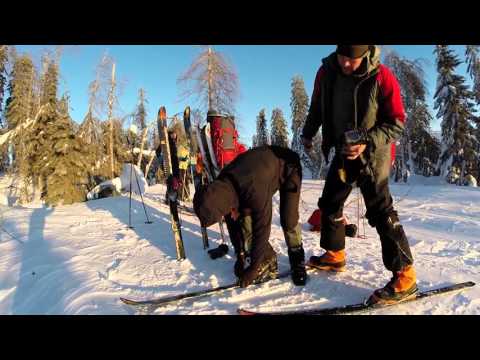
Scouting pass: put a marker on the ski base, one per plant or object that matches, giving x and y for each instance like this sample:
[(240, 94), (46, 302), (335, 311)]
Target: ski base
[(355, 308)]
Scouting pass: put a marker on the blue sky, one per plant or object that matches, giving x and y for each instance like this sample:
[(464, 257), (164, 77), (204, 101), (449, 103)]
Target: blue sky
[(265, 73)]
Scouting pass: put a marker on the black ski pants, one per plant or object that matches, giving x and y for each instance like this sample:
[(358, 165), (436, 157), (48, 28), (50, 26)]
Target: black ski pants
[(396, 252)]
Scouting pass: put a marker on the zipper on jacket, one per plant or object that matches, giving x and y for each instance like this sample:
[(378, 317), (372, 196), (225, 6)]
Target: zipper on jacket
[(355, 94)]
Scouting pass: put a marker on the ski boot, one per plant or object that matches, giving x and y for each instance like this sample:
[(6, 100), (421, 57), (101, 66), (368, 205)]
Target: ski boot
[(296, 256), (330, 261), (401, 287)]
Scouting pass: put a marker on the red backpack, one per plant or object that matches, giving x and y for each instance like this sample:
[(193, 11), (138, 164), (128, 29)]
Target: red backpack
[(224, 138)]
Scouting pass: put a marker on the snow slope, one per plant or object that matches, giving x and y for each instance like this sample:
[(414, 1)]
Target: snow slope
[(79, 259)]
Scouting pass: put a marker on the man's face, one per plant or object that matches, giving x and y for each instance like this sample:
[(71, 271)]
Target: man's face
[(348, 65)]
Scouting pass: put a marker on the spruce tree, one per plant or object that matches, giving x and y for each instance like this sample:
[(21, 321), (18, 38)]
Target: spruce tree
[(299, 105), (454, 102), (20, 89), (278, 128), (412, 154), (3, 77), (473, 68), (262, 131), (18, 110), (3, 82), (69, 163), (40, 144)]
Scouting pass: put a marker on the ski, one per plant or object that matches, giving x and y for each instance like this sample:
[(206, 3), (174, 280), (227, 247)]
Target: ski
[(170, 167), (206, 159), (208, 140), (355, 308), (155, 303), (188, 130)]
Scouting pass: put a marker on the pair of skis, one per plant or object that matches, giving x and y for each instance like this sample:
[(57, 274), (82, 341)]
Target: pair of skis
[(170, 168), (153, 304), (188, 130)]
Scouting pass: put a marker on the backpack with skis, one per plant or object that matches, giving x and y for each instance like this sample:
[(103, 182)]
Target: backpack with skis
[(218, 144), (171, 171), (221, 138)]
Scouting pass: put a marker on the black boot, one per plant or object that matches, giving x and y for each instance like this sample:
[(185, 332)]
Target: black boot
[(296, 256)]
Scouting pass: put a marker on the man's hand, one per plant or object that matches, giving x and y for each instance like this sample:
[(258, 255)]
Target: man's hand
[(307, 144), (353, 151), (247, 277)]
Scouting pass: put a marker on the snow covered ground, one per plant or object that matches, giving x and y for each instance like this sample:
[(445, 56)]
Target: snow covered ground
[(79, 259)]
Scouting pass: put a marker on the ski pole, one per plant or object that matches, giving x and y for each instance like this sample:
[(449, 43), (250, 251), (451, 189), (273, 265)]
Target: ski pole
[(143, 203)]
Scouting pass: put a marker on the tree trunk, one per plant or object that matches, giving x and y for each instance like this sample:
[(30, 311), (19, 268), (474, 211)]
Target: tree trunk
[(110, 117), (144, 138), (210, 80), (147, 169)]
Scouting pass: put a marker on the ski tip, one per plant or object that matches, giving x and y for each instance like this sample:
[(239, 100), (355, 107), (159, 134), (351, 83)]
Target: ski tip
[(162, 113), (128, 302), (186, 113), (244, 312)]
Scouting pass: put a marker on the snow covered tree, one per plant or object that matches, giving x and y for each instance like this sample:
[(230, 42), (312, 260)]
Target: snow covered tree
[(20, 89), (90, 133), (3, 82), (454, 102), (299, 105), (473, 68), (38, 138), (68, 163), (3, 77), (262, 130), (315, 157), (142, 126), (213, 80), (18, 110), (254, 141), (278, 129), (412, 153), (121, 151)]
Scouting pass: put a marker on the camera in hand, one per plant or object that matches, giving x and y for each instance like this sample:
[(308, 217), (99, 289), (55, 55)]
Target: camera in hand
[(349, 170), (355, 137)]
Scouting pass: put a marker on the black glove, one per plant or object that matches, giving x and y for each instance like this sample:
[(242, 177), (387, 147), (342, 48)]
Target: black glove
[(351, 230), (220, 251)]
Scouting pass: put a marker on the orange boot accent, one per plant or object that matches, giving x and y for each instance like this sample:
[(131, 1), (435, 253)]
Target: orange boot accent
[(334, 256), (405, 279), (330, 261)]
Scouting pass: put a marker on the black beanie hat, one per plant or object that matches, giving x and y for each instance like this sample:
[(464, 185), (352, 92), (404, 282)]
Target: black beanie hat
[(352, 51), (212, 202)]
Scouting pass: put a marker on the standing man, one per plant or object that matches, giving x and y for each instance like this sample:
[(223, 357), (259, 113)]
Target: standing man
[(243, 193), (357, 102)]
